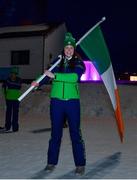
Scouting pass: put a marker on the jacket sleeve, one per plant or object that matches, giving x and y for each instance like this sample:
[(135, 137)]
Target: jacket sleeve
[(46, 80), (80, 68)]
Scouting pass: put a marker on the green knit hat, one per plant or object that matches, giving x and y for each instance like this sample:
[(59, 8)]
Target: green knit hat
[(69, 40), (14, 70)]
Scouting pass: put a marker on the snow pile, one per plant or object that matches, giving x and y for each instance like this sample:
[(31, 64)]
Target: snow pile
[(23, 155), (95, 101)]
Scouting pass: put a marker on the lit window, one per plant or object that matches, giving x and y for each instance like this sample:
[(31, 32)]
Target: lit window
[(133, 78)]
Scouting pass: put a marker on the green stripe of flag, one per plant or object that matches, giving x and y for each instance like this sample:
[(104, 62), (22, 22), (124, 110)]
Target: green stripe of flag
[(95, 48)]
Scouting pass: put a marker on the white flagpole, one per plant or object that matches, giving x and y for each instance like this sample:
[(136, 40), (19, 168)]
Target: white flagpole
[(97, 24), (39, 79)]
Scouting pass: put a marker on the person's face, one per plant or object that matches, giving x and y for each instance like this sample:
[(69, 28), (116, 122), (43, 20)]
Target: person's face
[(13, 76), (69, 51)]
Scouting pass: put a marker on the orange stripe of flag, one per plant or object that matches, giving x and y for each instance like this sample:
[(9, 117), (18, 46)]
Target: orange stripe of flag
[(119, 119)]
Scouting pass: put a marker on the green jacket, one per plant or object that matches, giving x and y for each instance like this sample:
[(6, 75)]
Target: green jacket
[(11, 89), (65, 86), (12, 94)]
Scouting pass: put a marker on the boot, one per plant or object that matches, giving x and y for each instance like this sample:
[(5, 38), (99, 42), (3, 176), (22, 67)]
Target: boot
[(80, 170), (49, 167)]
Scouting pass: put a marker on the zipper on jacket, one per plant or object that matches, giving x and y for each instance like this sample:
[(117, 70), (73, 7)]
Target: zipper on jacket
[(63, 89), (76, 89)]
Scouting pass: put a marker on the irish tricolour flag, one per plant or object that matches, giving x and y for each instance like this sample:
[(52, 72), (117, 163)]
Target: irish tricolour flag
[(94, 46)]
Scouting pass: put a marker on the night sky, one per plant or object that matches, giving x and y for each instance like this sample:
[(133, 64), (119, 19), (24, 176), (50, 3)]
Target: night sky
[(119, 29)]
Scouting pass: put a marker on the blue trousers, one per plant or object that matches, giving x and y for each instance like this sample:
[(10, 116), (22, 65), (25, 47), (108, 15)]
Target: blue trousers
[(58, 110), (12, 115)]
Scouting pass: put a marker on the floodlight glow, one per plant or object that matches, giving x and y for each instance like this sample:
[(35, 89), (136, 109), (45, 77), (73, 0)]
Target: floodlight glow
[(91, 73)]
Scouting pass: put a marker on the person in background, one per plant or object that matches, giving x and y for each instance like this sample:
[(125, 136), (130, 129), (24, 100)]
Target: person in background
[(11, 90), (65, 104)]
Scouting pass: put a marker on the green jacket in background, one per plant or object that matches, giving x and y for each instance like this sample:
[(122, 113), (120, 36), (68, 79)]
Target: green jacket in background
[(11, 89)]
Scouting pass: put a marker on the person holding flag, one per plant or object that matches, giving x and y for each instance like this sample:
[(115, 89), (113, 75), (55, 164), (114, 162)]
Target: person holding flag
[(67, 70), (65, 102)]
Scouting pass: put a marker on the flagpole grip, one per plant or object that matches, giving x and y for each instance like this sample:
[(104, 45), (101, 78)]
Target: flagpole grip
[(38, 80)]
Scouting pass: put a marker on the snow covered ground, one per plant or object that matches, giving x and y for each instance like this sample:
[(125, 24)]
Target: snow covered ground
[(23, 154)]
